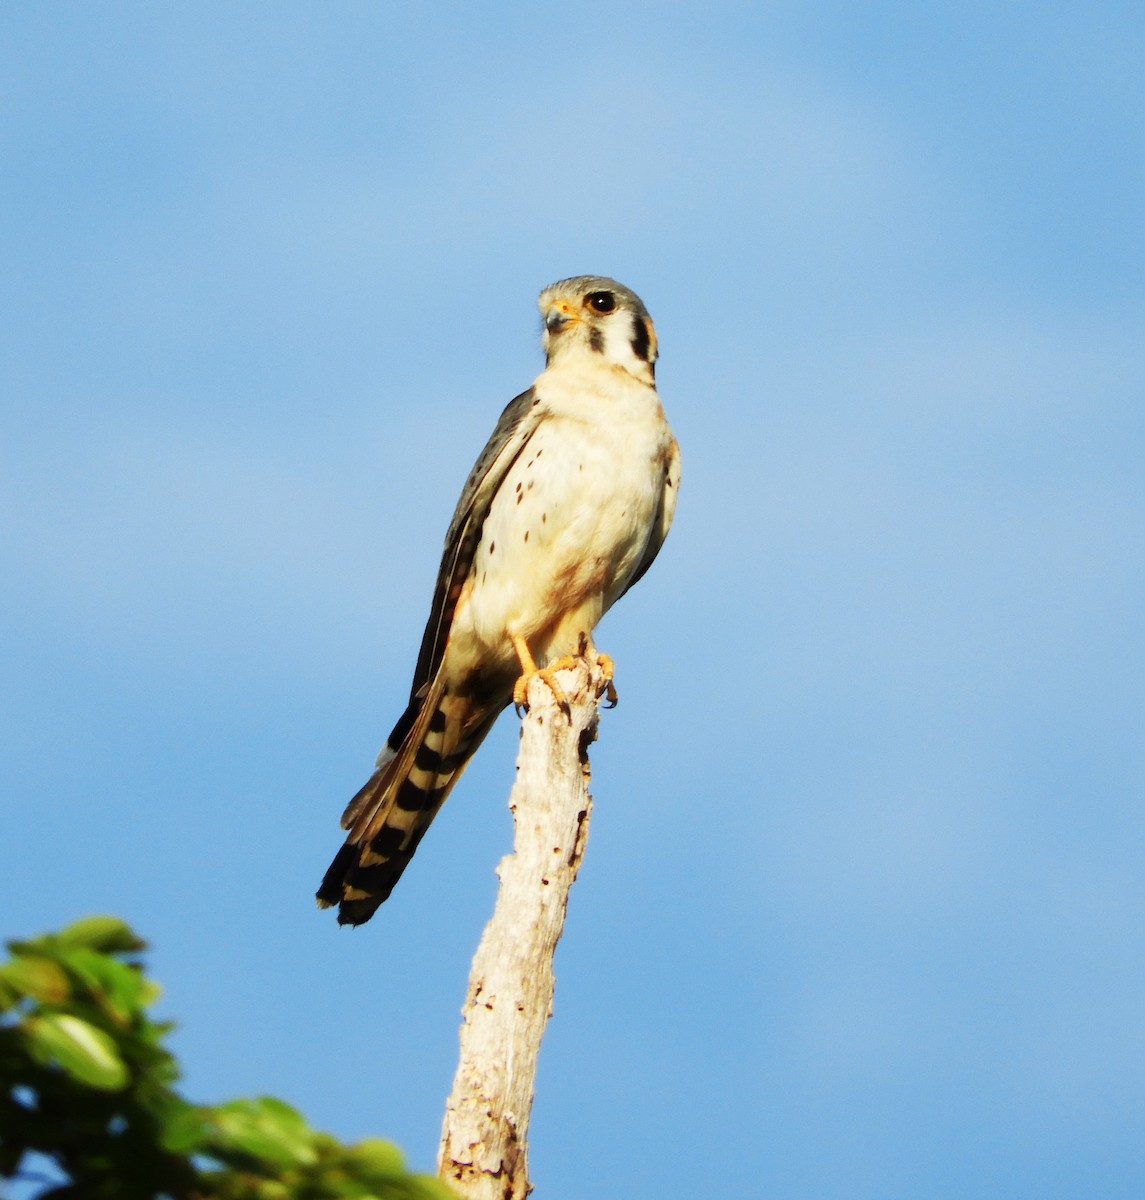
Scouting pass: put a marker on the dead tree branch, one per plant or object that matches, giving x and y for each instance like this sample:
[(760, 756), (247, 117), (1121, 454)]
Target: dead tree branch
[(484, 1136)]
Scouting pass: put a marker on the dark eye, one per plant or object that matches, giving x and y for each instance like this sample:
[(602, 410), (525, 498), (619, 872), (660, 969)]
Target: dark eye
[(601, 302)]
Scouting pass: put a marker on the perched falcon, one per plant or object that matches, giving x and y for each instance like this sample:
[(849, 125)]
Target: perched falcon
[(565, 509)]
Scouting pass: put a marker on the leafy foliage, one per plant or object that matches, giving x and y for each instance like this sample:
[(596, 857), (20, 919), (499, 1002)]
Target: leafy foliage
[(87, 1091)]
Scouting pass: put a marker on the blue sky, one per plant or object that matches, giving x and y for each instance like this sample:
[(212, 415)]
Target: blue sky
[(863, 905)]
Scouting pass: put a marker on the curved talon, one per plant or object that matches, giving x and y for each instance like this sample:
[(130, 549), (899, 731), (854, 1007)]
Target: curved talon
[(530, 670), (548, 674), (604, 661)]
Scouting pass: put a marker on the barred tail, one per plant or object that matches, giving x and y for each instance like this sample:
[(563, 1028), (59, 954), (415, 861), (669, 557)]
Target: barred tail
[(436, 738)]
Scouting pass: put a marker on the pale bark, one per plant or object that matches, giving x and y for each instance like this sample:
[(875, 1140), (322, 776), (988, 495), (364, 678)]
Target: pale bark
[(483, 1140)]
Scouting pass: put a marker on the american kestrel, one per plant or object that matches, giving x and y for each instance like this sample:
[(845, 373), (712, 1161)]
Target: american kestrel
[(565, 510)]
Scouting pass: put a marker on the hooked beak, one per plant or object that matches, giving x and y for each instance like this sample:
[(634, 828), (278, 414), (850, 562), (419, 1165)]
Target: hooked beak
[(557, 316)]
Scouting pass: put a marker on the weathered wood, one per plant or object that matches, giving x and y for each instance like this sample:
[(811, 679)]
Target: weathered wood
[(483, 1151)]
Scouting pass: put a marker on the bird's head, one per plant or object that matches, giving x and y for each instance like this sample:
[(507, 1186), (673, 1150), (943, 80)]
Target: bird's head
[(594, 315)]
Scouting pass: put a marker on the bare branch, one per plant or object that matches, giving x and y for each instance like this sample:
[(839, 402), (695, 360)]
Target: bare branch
[(484, 1137)]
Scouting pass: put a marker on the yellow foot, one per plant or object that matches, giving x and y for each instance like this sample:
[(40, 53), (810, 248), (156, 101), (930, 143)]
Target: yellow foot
[(604, 661), (530, 670), (549, 675)]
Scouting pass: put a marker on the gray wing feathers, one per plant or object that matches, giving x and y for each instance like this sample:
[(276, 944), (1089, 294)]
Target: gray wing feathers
[(518, 422)]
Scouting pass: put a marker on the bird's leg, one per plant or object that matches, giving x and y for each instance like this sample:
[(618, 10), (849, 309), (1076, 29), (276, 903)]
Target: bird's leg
[(529, 671), (609, 668), (585, 648)]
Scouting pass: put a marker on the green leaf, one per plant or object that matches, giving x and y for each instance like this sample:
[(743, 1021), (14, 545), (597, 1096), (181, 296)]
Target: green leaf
[(118, 986), (426, 1187), (104, 1041), (185, 1128), (86, 1053), (375, 1161), (108, 935), (265, 1129), (37, 977)]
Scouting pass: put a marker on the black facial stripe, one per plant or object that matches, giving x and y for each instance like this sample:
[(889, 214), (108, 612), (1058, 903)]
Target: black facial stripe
[(596, 340), (641, 339)]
